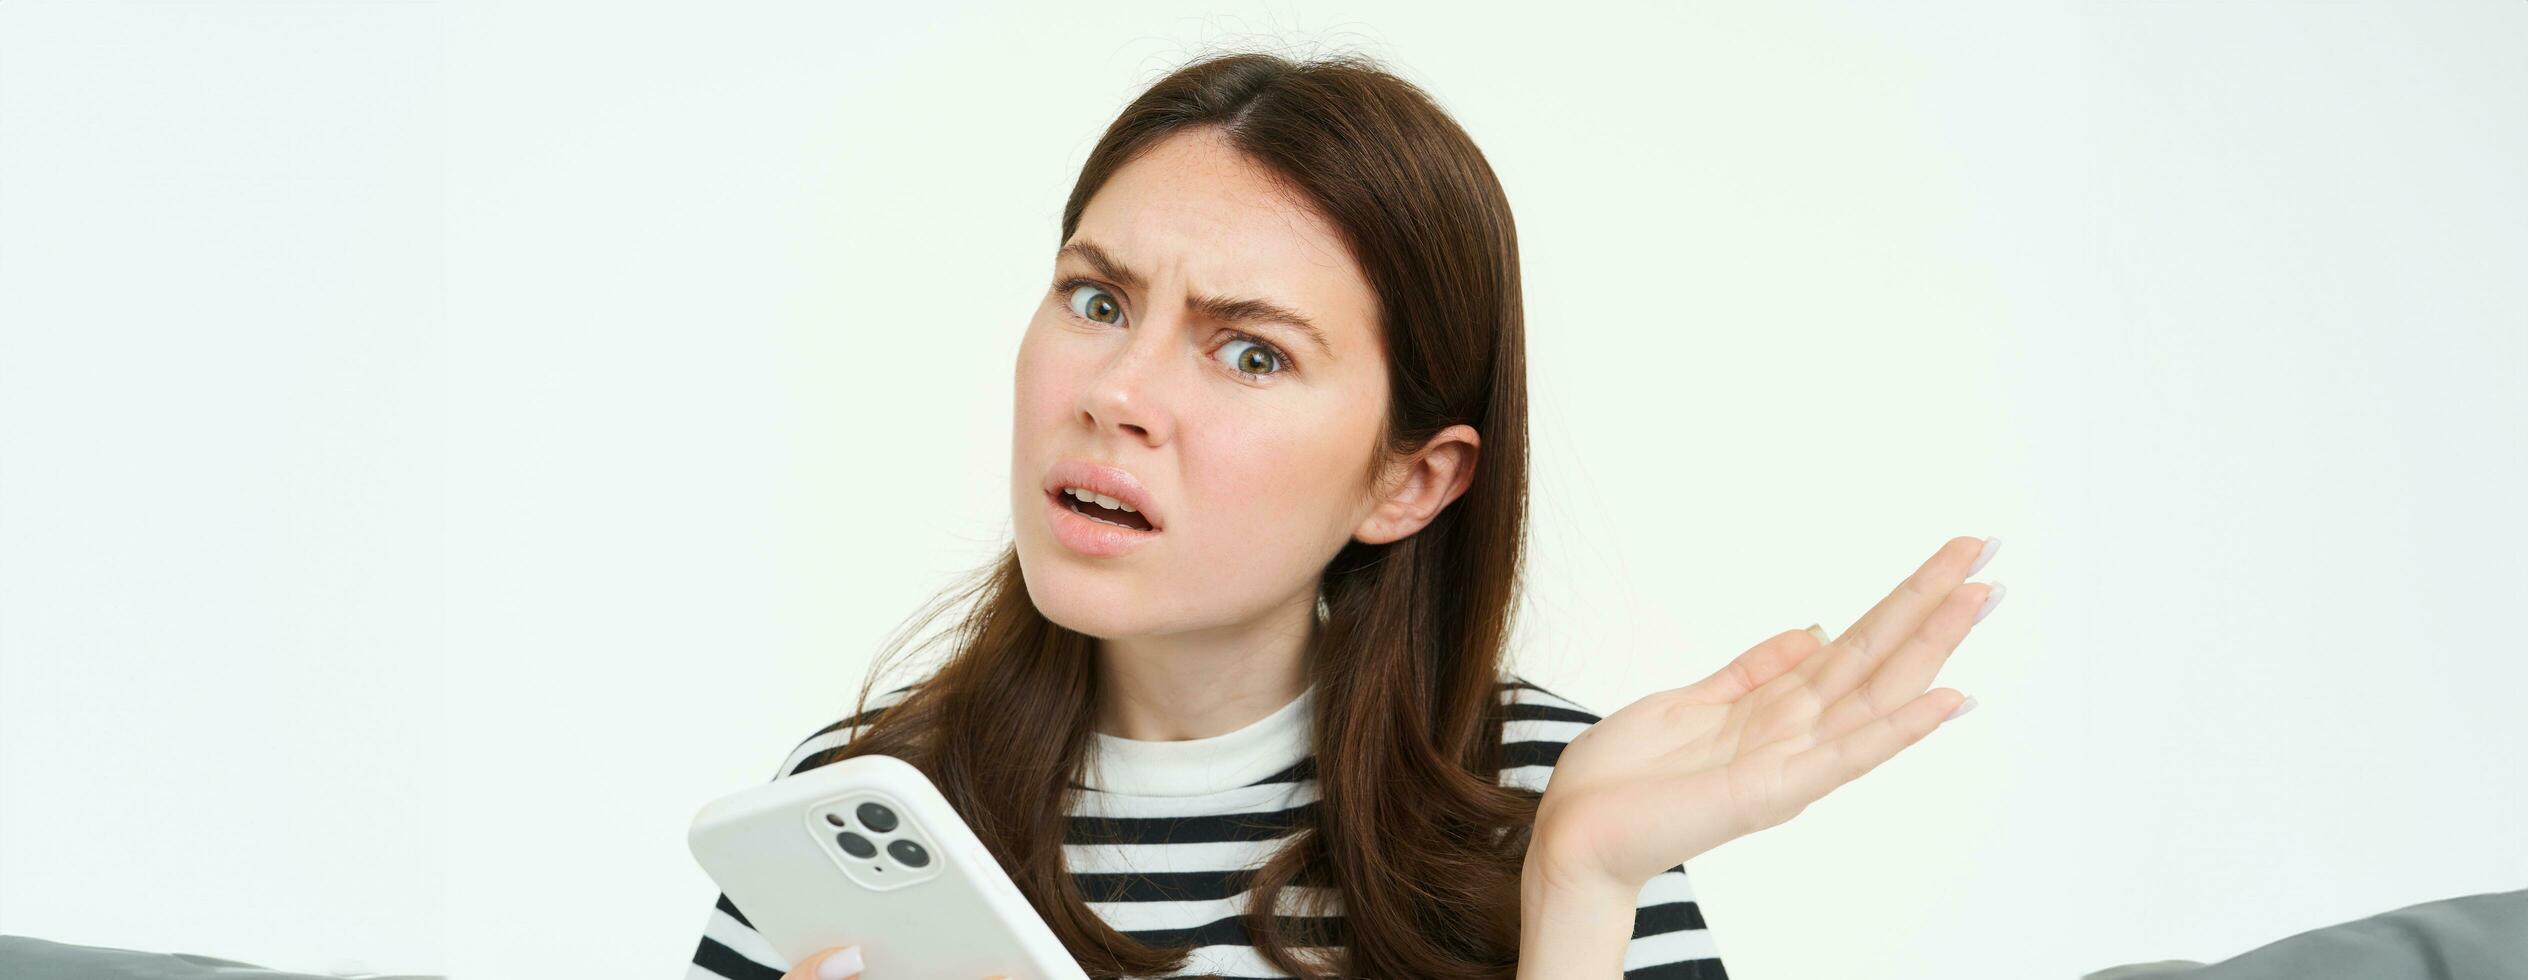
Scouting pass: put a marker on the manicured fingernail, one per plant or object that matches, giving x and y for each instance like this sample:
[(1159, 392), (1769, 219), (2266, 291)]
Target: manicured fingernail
[(1962, 708), (1991, 545), (1818, 630), (843, 963), (1992, 601)]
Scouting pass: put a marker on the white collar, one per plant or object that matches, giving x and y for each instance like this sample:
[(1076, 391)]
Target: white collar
[(1198, 766)]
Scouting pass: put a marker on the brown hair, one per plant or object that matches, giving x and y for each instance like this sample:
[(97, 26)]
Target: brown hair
[(1412, 831)]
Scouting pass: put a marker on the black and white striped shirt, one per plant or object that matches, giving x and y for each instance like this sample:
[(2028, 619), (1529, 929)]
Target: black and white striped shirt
[(1198, 817)]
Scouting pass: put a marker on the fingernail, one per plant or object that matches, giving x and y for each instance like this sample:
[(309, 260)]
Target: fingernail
[(1991, 545), (1992, 601), (1962, 708), (1818, 630), (843, 963)]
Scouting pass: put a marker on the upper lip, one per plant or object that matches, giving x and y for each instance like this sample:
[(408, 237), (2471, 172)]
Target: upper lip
[(1095, 477)]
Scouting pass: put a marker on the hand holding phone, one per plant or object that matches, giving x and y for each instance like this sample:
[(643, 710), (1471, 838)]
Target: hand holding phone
[(866, 853), (838, 963)]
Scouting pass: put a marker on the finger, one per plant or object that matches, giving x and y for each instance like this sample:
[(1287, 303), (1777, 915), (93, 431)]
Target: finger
[(1857, 653), (836, 963), (1815, 772), (1908, 672), (1763, 662)]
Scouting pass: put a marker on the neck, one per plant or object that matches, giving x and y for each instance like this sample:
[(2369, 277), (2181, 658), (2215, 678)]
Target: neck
[(1202, 683)]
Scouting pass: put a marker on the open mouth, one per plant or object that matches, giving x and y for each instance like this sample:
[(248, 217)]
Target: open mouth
[(1103, 514)]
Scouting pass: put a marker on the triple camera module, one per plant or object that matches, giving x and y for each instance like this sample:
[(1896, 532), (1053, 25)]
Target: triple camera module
[(876, 819)]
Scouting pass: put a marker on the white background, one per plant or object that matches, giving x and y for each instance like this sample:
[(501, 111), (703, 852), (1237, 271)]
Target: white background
[(443, 445)]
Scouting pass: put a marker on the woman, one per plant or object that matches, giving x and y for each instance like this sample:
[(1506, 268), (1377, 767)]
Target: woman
[(1233, 702)]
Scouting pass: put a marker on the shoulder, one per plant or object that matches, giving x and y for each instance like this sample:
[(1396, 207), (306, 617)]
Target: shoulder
[(824, 744), (1669, 936), (1529, 700), (1536, 724)]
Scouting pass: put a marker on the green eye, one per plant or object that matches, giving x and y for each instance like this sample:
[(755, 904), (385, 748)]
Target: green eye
[(1259, 354), (1253, 365)]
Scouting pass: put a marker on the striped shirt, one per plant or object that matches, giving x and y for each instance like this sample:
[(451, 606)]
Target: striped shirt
[(1197, 817)]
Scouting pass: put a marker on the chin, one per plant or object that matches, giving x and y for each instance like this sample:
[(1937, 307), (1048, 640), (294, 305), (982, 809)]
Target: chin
[(1084, 599), (1082, 611)]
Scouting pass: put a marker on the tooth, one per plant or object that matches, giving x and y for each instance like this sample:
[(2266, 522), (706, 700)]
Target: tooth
[(1087, 496)]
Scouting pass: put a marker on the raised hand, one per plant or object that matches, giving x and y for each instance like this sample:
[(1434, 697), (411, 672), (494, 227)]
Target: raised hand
[(1682, 771)]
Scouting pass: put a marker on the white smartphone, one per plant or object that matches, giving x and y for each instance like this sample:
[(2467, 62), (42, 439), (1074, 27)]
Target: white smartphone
[(866, 851)]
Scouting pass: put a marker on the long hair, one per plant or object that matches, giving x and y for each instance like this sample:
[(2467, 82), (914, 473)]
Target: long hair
[(1412, 833)]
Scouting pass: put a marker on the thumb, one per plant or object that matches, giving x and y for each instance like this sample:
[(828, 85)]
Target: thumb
[(837, 963)]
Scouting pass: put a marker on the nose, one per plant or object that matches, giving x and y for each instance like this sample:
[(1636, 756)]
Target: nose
[(1127, 409), (1132, 393)]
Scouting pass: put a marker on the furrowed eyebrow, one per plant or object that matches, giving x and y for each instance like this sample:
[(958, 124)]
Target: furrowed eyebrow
[(1224, 308)]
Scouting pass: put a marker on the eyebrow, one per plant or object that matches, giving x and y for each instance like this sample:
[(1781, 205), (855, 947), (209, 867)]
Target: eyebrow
[(1224, 308)]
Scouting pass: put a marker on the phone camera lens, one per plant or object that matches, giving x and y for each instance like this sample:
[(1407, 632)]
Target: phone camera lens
[(856, 845), (877, 818), (908, 852)]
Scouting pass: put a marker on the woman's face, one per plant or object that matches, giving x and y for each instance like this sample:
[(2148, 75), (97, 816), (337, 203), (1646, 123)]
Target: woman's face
[(1248, 436)]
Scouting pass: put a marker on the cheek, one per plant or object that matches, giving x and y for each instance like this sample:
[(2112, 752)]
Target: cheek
[(1040, 379), (1278, 472)]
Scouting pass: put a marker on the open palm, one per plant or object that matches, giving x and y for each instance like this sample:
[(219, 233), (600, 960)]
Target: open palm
[(1682, 771)]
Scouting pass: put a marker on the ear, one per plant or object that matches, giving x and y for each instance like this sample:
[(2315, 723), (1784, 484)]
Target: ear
[(1415, 489)]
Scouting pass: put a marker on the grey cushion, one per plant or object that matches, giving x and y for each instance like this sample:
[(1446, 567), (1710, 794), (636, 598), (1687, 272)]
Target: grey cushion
[(30, 958), (2472, 937)]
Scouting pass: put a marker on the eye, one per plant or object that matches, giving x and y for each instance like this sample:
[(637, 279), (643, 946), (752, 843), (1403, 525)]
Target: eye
[(1102, 308), (1090, 301), (1257, 355)]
